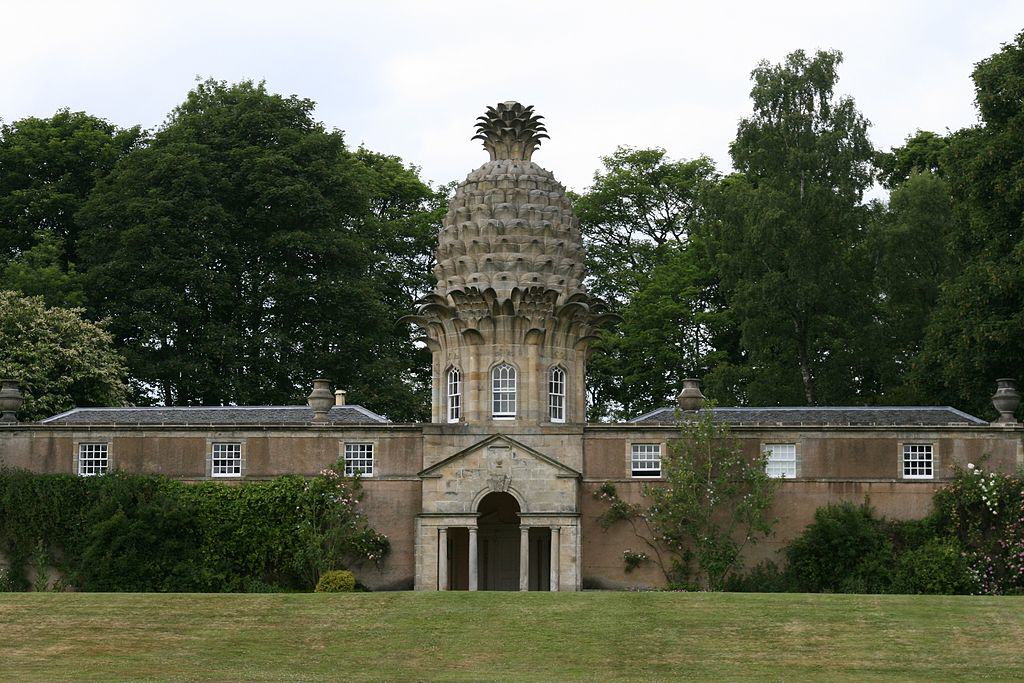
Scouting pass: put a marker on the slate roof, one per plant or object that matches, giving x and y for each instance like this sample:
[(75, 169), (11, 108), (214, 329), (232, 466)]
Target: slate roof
[(219, 415), (899, 416)]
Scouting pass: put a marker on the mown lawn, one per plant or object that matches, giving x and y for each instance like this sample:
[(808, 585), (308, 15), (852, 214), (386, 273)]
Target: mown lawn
[(508, 637)]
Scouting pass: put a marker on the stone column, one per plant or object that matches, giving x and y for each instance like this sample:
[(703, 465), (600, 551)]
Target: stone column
[(442, 559), (473, 560), (555, 545), (524, 558)]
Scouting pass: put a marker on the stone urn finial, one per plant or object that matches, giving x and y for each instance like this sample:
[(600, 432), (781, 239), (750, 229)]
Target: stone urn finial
[(1006, 399), (510, 131), (320, 399), (11, 399), (690, 398)]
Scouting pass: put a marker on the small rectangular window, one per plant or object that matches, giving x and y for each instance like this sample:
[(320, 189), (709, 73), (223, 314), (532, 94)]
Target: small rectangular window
[(781, 460), (359, 459), (918, 462), (226, 460), (92, 459), (646, 460)]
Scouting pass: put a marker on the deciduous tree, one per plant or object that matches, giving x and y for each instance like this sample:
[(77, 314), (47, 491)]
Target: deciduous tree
[(61, 359), (790, 238), (48, 167), (244, 250), (975, 331)]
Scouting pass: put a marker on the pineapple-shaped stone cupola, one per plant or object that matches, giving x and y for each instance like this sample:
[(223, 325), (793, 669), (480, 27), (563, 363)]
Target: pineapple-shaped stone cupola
[(510, 321)]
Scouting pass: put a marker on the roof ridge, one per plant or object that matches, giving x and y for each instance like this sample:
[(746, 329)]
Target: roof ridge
[(85, 410), (826, 409)]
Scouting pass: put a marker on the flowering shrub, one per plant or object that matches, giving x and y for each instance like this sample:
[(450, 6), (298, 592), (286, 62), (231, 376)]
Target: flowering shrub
[(973, 542), (984, 512), (712, 502), (633, 560), (332, 530)]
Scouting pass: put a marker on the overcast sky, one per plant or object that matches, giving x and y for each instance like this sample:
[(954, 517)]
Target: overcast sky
[(409, 78)]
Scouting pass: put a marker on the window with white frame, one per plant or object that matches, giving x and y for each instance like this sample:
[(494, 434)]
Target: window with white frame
[(781, 462), (556, 395), (93, 458), (503, 392), (645, 460), (226, 460), (918, 461), (454, 395), (359, 459)]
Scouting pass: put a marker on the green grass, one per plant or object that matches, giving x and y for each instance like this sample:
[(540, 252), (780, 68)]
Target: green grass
[(508, 637)]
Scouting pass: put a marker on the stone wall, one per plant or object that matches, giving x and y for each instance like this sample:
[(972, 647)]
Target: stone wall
[(392, 495), (834, 465)]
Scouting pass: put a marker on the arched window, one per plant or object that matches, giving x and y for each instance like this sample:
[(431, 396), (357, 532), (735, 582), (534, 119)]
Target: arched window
[(454, 395), (503, 392), (556, 395)]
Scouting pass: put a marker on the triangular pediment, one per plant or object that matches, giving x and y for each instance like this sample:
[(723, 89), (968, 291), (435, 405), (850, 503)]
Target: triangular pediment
[(495, 443)]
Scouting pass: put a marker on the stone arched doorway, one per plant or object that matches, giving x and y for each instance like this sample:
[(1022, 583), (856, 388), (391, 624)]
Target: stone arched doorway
[(501, 536), (498, 525)]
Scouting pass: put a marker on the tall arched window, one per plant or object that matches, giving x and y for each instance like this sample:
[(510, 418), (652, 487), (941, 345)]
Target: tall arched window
[(503, 392), (556, 395), (454, 395)]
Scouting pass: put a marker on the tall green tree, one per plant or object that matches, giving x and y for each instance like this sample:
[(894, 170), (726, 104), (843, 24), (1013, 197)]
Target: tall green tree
[(636, 221), (676, 326), (244, 250), (639, 202), (790, 240), (48, 167), (911, 250), (61, 359), (974, 335)]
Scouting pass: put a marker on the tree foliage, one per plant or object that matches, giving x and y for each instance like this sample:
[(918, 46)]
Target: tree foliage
[(974, 331), (61, 359), (638, 218), (790, 246), (244, 250), (48, 167), (640, 202)]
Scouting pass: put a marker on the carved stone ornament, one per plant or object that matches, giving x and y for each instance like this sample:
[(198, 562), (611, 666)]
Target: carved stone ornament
[(11, 399), (690, 398), (320, 399), (499, 482), (1006, 399)]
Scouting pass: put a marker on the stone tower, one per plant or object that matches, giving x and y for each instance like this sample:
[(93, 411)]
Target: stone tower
[(510, 320)]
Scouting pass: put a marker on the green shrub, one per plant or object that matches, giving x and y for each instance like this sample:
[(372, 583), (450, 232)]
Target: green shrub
[(336, 581), (983, 512), (765, 577), (939, 566), (121, 532), (845, 549)]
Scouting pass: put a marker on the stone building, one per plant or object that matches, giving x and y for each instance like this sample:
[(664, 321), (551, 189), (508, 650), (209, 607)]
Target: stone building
[(496, 492)]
